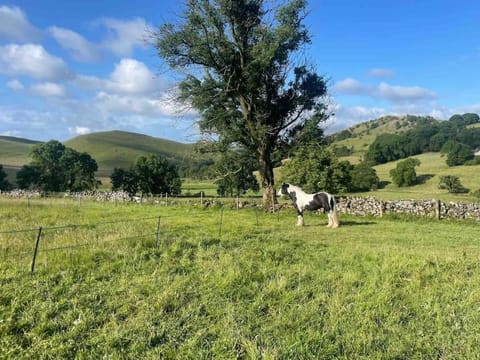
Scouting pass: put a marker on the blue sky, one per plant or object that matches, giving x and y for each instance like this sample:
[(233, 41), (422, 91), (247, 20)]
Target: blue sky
[(72, 67)]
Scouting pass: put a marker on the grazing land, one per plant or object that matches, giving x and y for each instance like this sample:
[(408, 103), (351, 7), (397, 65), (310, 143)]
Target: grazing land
[(234, 284)]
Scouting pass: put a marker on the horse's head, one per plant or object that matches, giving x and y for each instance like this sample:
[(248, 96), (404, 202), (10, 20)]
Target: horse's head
[(284, 189)]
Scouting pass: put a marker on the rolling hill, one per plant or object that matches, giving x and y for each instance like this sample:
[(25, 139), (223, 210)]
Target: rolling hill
[(120, 149), (110, 149)]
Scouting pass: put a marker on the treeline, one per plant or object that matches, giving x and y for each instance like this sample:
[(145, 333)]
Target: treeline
[(453, 137)]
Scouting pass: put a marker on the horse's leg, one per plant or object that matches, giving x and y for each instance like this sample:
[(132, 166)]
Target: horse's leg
[(300, 218), (335, 221), (330, 219)]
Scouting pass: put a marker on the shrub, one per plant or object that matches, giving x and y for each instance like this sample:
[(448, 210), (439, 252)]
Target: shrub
[(452, 184), (404, 174)]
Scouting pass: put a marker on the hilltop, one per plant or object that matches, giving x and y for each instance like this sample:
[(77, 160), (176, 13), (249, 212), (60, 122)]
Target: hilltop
[(358, 138)]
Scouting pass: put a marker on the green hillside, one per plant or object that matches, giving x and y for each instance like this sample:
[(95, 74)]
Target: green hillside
[(120, 149), (14, 152), (360, 136)]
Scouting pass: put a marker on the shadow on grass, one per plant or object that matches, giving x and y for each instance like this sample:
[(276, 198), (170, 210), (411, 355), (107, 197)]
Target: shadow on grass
[(422, 179)]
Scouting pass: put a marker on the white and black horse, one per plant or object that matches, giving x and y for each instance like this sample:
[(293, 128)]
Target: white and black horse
[(303, 201)]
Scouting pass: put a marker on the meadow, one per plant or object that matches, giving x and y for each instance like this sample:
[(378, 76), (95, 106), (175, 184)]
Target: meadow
[(226, 283)]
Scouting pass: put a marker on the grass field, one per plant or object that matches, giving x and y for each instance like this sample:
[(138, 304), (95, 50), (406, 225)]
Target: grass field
[(255, 287)]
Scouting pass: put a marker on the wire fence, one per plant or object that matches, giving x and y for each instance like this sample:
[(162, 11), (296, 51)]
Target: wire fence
[(29, 248)]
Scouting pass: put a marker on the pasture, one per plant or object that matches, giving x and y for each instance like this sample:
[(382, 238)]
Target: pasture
[(235, 284)]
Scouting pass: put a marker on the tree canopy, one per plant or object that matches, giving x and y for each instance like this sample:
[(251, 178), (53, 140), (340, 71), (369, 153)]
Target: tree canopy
[(150, 174), (56, 167), (4, 184), (245, 74)]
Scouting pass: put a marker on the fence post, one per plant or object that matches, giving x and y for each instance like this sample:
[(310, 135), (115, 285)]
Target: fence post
[(438, 209), (256, 214), (201, 199), (39, 235), (157, 234), (221, 222)]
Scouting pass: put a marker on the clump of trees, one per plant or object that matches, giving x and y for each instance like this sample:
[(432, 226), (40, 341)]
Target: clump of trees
[(58, 168), (404, 174), (4, 183), (150, 174), (452, 184), (235, 173), (316, 168), (429, 136)]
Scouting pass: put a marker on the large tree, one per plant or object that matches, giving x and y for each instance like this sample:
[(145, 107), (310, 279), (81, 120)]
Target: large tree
[(56, 167), (245, 73)]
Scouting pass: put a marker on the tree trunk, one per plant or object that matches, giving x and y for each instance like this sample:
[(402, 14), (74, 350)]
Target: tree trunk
[(267, 180)]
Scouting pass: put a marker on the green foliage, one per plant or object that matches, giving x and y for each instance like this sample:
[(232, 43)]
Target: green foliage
[(235, 171), (4, 184), (56, 168), (404, 174), (364, 177), (452, 184), (459, 154), (251, 91), (315, 168), (152, 174)]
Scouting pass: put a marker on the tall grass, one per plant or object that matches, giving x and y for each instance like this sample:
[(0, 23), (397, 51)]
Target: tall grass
[(243, 285)]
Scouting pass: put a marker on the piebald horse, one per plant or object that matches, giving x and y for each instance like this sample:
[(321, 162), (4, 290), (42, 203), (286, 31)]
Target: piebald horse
[(303, 201)]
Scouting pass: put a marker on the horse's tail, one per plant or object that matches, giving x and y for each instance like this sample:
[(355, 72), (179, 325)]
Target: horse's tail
[(333, 206)]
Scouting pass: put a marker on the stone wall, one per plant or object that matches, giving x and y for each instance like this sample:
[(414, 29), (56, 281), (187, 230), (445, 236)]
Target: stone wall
[(358, 206), (363, 206)]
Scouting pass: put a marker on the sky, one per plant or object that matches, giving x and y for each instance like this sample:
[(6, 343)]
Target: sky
[(69, 68)]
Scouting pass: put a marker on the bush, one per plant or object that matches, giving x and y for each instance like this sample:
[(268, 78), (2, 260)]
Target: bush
[(364, 177), (452, 184), (404, 174), (459, 154)]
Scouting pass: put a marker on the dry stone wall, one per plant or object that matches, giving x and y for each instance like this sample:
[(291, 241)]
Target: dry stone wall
[(370, 206)]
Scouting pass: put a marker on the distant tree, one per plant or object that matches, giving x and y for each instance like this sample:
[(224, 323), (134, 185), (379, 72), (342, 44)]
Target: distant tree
[(404, 174), (235, 170), (315, 168), (123, 180), (364, 177), (155, 175), (388, 147), (55, 167), (4, 184), (459, 154), (29, 177), (471, 118), (452, 184)]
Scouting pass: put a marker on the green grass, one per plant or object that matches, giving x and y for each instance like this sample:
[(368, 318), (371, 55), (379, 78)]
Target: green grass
[(432, 167), (374, 288)]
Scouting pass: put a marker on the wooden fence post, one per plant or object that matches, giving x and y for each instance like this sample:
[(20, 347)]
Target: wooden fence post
[(37, 242), (157, 234), (438, 209), (221, 222)]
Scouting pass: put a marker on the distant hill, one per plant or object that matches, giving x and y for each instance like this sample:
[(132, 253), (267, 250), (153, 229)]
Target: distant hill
[(360, 136), (120, 149), (110, 149)]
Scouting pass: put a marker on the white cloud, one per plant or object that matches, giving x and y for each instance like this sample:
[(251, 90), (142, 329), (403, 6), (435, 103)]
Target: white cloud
[(32, 60), (380, 72), (124, 36), (351, 87), (384, 91), (80, 48), (132, 76), (15, 85), (14, 25), (48, 89), (404, 93), (79, 130)]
